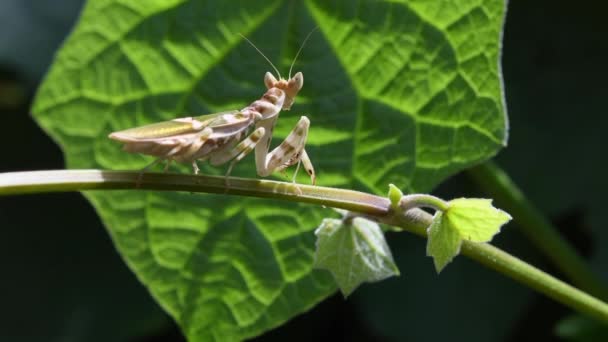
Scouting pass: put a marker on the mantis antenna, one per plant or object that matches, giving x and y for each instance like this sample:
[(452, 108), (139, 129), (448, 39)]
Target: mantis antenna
[(263, 55), (295, 58), (300, 50)]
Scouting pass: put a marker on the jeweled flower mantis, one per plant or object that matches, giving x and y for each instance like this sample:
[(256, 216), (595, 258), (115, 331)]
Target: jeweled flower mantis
[(225, 136)]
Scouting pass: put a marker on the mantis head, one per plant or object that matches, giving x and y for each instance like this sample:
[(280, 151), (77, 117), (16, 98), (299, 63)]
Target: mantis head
[(291, 87)]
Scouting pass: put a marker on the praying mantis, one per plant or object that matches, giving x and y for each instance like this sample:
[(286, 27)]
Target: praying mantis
[(225, 137)]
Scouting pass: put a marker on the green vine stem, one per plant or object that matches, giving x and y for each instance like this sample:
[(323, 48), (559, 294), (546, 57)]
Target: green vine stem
[(537, 228), (413, 220), (416, 221), (422, 201)]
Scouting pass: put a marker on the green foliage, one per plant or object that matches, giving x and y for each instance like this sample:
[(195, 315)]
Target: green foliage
[(354, 251), (578, 328), (403, 92), (471, 219)]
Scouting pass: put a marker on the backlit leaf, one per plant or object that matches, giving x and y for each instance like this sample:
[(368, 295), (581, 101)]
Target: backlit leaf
[(402, 92), (354, 252)]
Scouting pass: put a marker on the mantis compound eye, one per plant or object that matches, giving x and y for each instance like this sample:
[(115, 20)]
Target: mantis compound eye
[(296, 82), (269, 80)]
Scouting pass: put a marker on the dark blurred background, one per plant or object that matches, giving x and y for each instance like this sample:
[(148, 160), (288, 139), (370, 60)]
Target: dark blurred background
[(62, 279)]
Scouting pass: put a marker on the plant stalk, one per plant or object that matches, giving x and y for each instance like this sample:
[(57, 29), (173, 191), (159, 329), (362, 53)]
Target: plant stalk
[(422, 201), (515, 268), (537, 228), (413, 220)]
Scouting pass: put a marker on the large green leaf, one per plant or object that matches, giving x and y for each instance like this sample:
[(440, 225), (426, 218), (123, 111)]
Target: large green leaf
[(403, 92)]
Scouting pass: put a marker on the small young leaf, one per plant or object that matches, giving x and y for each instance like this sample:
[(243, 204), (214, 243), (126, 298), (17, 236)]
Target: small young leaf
[(394, 195), (354, 251), (472, 219), (476, 219), (443, 242)]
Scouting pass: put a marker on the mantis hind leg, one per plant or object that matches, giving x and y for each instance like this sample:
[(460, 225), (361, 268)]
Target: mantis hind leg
[(140, 176), (166, 168), (195, 167)]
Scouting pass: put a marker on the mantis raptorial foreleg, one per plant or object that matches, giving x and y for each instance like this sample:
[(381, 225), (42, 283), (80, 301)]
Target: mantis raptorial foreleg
[(289, 152), (303, 159)]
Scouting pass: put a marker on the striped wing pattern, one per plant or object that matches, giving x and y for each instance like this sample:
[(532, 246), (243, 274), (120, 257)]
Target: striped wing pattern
[(185, 139), (171, 128)]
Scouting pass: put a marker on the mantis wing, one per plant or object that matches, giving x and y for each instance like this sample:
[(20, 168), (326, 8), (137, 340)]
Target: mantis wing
[(177, 127)]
